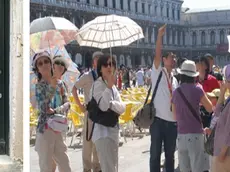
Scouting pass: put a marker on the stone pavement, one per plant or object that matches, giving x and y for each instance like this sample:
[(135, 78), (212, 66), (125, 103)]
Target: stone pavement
[(133, 156)]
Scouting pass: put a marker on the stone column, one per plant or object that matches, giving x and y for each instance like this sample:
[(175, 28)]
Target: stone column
[(217, 36), (165, 38), (125, 5), (147, 35), (132, 5), (176, 37), (101, 3), (153, 36), (208, 36), (110, 4), (225, 36), (170, 36), (139, 7), (147, 8), (181, 38), (170, 11), (118, 5)]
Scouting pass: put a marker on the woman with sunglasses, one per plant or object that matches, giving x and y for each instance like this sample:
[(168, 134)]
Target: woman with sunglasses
[(105, 93), (51, 99), (60, 66)]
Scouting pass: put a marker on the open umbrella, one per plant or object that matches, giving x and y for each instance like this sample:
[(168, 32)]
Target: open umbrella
[(109, 31), (50, 32)]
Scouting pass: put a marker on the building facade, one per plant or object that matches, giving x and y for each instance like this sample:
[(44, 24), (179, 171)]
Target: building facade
[(11, 99), (150, 15)]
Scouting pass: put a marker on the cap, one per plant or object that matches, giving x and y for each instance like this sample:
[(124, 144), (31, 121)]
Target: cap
[(208, 55), (63, 59), (97, 54)]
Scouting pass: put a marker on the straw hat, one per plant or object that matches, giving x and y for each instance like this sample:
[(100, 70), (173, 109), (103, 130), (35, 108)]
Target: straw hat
[(215, 93), (188, 68)]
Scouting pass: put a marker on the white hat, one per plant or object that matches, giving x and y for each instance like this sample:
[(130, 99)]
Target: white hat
[(61, 58), (188, 68), (40, 54)]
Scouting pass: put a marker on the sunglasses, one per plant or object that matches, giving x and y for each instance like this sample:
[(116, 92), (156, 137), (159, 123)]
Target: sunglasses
[(59, 63), (40, 63), (108, 64)]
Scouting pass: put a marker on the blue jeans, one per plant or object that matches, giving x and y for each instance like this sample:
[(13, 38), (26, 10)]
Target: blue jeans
[(162, 132)]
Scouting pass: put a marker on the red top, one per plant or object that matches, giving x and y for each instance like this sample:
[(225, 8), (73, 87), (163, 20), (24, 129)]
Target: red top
[(210, 84)]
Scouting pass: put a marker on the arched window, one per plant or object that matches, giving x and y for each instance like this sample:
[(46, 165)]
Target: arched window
[(203, 41), (221, 36), (194, 38), (212, 38)]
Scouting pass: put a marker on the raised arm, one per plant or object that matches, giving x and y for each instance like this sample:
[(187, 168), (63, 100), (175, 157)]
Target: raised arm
[(157, 58)]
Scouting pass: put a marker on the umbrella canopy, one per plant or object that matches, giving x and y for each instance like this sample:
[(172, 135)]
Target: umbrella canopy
[(109, 31), (51, 23), (50, 32)]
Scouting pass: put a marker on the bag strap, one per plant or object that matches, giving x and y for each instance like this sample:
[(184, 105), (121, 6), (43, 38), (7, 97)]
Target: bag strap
[(190, 106), (89, 136), (146, 100), (155, 90), (156, 87)]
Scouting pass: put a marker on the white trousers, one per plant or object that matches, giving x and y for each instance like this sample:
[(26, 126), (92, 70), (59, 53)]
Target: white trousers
[(107, 151), (50, 146)]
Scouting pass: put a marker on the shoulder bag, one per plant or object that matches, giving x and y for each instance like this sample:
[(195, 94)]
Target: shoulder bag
[(145, 116)]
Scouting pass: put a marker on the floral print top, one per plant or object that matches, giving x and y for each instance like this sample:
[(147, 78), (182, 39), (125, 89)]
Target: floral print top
[(49, 97), (222, 133)]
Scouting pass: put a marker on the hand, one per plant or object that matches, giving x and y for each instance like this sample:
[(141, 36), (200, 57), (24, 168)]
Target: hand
[(223, 87), (221, 157), (50, 111), (82, 107), (207, 131), (161, 30), (54, 81), (111, 81)]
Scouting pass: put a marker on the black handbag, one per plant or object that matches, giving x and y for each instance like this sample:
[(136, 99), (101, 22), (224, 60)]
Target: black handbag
[(107, 118)]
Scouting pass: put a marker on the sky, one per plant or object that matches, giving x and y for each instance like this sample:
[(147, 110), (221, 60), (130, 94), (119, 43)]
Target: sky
[(200, 4)]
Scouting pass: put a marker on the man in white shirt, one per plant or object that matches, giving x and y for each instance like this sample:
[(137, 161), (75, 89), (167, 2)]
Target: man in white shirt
[(89, 154), (140, 78), (164, 128)]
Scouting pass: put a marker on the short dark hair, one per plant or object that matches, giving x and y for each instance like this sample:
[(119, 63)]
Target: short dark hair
[(187, 79), (180, 61), (103, 61), (165, 55)]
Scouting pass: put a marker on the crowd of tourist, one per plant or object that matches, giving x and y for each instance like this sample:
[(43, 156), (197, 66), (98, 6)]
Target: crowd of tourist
[(196, 105)]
